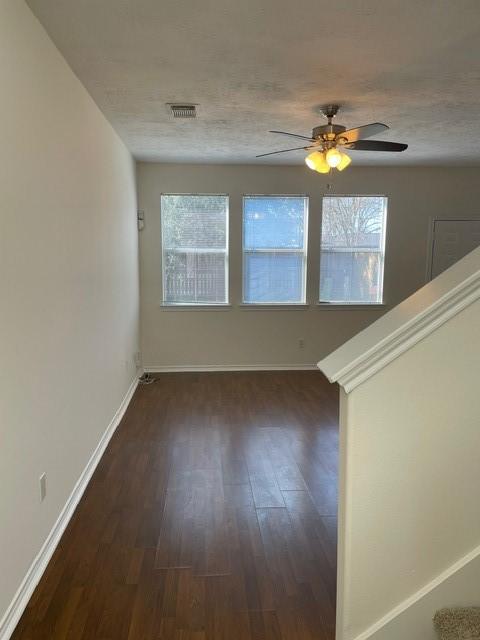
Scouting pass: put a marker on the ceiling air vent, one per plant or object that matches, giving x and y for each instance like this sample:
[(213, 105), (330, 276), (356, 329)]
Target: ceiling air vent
[(183, 110)]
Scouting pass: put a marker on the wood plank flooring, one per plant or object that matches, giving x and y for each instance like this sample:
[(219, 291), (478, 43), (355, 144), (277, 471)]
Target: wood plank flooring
[(211, 516)]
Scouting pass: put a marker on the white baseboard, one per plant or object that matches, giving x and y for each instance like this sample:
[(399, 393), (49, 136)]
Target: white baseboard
[(228, 367), (412, 618), (38, 566)]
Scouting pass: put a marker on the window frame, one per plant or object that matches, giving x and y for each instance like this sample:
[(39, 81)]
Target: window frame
[(381, 250), (226, 252), (303, 251)]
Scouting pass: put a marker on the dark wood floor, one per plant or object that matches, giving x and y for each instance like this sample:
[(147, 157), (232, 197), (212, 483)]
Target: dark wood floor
[(212, 515)]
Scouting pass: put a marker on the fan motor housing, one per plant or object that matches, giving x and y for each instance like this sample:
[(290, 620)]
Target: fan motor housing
[(327, 131)]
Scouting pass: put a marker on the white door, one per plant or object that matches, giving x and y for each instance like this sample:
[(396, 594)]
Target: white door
[(452, 239)]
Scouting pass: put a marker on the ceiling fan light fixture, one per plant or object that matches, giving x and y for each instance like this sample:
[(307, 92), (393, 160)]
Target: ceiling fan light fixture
[(333, 157), (327, 142), (344, 162), (316, 161)]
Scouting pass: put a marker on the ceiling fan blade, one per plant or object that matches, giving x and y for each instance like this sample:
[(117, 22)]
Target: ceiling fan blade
[(376, 145), (294, 135), (271, 153), (352, 135)]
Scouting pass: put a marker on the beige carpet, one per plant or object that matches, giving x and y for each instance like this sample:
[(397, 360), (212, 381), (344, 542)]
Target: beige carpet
[(458, 623)]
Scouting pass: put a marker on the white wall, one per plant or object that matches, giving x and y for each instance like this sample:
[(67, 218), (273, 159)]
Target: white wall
[(239, 336), (410, 479), (458, 589), (68, 284)]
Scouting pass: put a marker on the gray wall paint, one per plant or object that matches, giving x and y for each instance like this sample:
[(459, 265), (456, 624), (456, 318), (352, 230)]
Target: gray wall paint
[(69, 281), (239, 336)]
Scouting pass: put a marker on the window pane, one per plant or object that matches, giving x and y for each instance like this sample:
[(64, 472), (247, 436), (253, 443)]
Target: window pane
[(274, 244), (194, 221), (353, 221), (352, 249), (194, 277), (350, 276), (271, 277), (273, 222), (194, 239)]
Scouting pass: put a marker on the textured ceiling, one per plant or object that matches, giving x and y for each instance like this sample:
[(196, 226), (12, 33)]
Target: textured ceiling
[(255, 65)]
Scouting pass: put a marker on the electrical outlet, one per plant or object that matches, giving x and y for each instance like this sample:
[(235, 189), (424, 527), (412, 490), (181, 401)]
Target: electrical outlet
[(301, 343), (43, 486)]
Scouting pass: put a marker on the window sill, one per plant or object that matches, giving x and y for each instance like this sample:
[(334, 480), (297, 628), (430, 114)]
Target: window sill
[(223, 306), (273, 306), (335, 306)]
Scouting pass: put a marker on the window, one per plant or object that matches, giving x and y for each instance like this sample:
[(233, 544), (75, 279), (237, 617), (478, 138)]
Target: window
[(352, 249), (195, 249), (274, 249)]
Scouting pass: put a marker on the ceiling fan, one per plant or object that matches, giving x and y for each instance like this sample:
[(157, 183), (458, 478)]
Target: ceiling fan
[(328, 139)]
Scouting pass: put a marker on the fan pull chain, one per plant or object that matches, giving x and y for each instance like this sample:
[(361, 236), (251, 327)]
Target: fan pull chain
[(331, 185)]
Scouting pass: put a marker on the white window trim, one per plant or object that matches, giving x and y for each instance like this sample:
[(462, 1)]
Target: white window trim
[(198, 305), (381, 271), (304, 252), (338, 306), (273, 306)]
